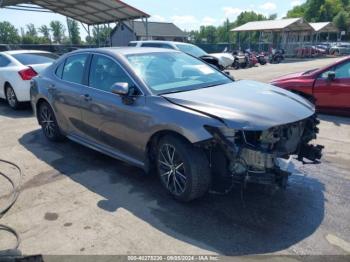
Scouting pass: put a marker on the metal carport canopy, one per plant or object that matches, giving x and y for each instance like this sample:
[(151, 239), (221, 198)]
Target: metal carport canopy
[(90, 12), (323, 27), (291, 24)]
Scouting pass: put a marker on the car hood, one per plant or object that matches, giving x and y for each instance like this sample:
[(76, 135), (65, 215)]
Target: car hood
[(225, 59), (246, 104), (288, 77)]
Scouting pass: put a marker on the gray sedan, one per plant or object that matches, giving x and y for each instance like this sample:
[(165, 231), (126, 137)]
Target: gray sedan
[(172, 114)]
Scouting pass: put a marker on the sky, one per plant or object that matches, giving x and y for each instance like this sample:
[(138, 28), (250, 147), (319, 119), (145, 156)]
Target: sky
[(186, 14)]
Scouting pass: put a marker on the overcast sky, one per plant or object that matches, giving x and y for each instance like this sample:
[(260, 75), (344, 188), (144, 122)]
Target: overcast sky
[(187, 14)]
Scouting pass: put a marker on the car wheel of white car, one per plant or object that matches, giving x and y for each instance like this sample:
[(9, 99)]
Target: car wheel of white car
[(183, 169), (11, 97)]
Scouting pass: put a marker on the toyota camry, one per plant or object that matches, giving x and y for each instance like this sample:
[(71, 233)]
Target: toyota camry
[(172, 114)]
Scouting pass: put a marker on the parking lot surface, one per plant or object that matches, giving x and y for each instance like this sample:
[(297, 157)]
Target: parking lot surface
[(77, 201)]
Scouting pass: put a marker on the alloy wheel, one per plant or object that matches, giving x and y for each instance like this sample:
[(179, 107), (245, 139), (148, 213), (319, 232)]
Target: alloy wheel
[(47, 121), (11, 97), (172, 169)]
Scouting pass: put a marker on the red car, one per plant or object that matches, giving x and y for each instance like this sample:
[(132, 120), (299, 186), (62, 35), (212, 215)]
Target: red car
[(328, 87)]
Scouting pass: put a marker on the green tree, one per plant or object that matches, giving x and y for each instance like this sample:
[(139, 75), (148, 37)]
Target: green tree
[(45, 31), (100, 36), (8, 33), (58, 31), (342, 21), (74, 32)]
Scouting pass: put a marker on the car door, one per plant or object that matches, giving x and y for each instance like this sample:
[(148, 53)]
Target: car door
[(108, 120), (334, 94), (4, 63), (67, 92)]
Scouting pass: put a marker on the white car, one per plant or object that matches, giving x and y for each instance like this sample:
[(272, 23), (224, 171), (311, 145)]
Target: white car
[(221, 60), (17, 68)]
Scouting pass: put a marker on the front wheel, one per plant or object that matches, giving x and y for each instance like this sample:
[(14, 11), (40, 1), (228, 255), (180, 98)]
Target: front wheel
[(182, 168), (48, 123)]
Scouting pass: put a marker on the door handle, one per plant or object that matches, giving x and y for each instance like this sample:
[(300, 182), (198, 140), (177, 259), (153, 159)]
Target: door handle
[(87, 97)]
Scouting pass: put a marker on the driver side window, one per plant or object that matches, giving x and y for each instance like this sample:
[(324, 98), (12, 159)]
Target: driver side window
[(104, 72), (343, 71)]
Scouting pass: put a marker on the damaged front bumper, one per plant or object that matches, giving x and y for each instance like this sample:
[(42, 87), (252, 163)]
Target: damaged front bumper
[(255, 156)]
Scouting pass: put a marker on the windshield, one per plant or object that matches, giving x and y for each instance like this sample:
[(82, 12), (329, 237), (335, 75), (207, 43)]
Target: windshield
[(35, 58), (168, 72), (191, 49)]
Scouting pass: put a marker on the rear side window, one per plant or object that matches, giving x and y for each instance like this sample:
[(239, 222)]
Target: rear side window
[(73, 70), (35, 58), (4, 61), (132, 44)]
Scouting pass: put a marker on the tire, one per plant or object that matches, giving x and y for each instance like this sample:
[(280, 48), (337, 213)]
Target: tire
[(183, 169), (11, 97), (48, 123)]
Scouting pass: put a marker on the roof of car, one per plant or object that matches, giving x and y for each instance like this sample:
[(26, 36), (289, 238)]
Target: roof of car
[(14, 52), (126, 50), (161, 41)]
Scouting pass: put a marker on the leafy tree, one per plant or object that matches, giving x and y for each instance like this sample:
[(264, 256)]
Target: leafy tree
[(342, 21), (45, 31), (74, 32), (100, 36), (58, 31), (8, 33), (31, 30)]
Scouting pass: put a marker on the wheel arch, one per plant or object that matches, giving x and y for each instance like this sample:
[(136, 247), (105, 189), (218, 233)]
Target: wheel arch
[(153, 143), (38, 103)]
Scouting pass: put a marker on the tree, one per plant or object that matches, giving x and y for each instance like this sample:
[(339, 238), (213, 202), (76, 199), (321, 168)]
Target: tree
[(58, 31), (45, 31), (8, 33), (74, 32), (100, 36), (31, 30), (342, 21)]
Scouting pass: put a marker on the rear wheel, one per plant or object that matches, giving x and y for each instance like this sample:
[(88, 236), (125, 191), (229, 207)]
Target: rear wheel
[(183, 169), (11, 97), (48, 123)]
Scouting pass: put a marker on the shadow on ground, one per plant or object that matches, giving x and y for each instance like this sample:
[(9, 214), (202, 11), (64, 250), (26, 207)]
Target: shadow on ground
[(260, 224), (336, 120), (24, 112)]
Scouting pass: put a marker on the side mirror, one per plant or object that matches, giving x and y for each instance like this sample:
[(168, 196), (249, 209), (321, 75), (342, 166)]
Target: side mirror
[(331, 76), (121, 89)]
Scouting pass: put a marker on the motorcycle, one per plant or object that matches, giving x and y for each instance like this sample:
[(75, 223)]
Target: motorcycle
[(261, 58), (277, 56)]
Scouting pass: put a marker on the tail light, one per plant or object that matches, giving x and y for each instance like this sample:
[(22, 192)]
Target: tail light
[(28, 73)]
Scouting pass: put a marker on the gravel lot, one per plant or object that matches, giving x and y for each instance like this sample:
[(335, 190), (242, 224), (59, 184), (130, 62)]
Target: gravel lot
[(77, 201)]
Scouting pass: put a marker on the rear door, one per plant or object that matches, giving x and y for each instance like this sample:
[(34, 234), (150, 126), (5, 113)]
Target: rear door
[(109, 121), (67, 92), (334, 95)]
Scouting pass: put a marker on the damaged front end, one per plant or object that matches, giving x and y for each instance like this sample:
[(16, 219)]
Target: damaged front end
[(254, 156)]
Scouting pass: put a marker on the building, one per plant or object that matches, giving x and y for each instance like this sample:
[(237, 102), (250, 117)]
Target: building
[(128, 31)]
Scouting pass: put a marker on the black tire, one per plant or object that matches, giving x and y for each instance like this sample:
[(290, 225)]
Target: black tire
[(48, 123), (185, 172), (11, 97)]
